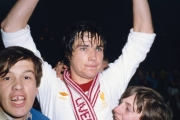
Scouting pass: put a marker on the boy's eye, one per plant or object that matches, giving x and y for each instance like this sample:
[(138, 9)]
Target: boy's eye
[(83, 49), (6, 78), (26, 77), (127, 109)]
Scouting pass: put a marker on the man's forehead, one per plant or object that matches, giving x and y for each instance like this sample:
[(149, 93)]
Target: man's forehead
[(88, 41), (87, 38), (86, 35)]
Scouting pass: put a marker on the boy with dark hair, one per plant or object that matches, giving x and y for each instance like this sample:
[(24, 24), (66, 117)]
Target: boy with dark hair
[(20, 77)]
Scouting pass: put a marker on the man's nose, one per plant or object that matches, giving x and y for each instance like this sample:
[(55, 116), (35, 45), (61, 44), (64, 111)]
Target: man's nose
[(118, 109), (92, 55), (17, 86)]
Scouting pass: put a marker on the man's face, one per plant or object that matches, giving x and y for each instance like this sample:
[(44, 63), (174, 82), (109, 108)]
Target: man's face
[(18, 89), (125, 111), (86, 59)]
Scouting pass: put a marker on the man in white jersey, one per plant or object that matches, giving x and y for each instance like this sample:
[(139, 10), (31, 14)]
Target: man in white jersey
[(85, 93)]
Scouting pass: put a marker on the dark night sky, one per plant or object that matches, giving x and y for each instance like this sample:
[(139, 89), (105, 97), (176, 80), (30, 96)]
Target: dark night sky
[(51, 17)]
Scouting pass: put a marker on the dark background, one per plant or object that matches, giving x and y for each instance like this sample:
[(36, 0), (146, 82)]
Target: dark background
[(52, 17)]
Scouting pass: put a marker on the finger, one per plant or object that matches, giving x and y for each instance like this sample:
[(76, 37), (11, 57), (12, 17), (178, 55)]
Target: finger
[(65, 66), (60, 76)]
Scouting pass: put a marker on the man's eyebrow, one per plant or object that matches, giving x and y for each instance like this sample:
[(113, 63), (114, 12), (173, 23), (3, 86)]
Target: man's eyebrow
[(128, 104), (100, 46), (28, 71), (82, 45), (25, 71)]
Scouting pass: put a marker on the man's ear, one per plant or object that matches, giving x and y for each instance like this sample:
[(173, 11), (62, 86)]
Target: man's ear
[(37, 91)]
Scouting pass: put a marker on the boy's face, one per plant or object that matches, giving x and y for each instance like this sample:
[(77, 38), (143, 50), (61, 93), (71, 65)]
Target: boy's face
[(124, 111), (18, 89), (86, 59)]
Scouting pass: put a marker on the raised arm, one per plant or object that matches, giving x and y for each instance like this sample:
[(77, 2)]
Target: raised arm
[(142, 17), (19, 15)]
